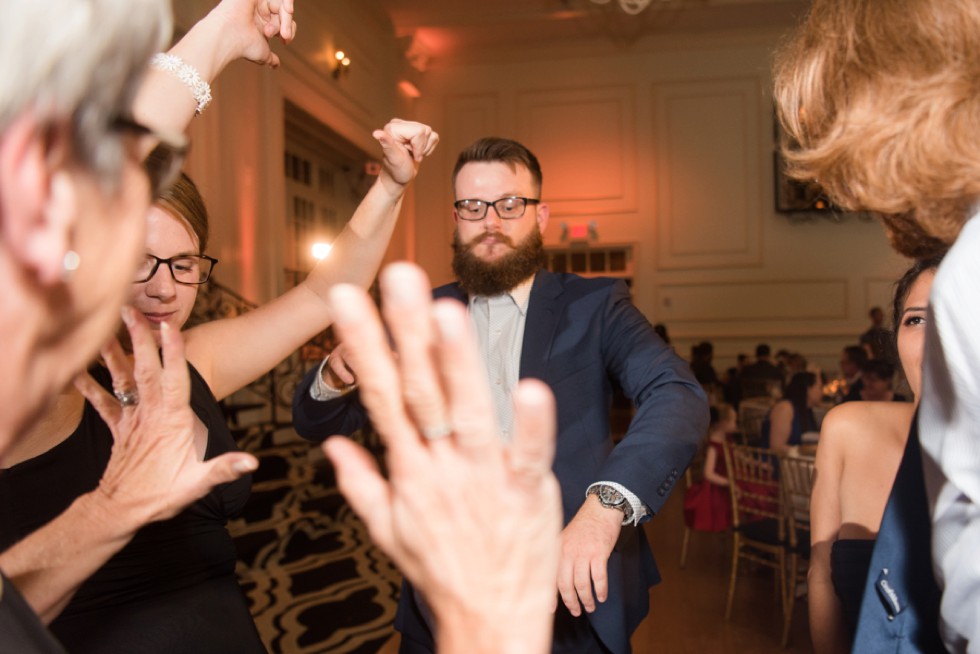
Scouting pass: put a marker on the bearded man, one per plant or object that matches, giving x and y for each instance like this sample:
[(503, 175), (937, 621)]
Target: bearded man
[(582, 337)]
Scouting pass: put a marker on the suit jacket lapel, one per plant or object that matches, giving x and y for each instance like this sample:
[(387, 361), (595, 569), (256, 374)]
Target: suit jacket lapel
[(544, 309)]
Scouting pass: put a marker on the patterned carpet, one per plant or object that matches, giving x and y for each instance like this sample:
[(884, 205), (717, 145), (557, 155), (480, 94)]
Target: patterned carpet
[(314, 581)]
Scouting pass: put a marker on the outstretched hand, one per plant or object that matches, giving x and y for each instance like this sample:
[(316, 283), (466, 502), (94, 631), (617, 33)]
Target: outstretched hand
[(472, 522), (404, 144), (154, 470)]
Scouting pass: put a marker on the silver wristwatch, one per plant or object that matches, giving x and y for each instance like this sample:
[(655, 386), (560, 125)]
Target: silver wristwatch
[(611, 498)]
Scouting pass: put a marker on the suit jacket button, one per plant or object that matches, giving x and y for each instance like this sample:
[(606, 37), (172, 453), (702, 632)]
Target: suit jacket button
[(661, 492)]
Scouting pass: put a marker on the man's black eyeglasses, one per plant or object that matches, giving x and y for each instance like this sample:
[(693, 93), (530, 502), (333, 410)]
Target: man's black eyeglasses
[(506, 208)]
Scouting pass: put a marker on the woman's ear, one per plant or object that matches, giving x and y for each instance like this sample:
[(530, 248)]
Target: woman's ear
[(39, 208)]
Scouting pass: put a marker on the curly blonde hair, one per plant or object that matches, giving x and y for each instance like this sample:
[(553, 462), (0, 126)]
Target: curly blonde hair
[(881, 105)]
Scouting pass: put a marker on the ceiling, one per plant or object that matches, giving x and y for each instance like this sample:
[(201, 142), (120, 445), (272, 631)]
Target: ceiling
[(460, 28)]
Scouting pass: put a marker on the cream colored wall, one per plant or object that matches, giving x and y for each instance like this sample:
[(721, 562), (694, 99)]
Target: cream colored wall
[(669, 150)]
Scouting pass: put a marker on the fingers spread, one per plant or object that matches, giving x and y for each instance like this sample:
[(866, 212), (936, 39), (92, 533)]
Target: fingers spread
[(107, 405), (369, 355), (361, 483), (175, 379), (146, 360), (406, 306), (599, 579), (532, 452), (225, 468), (566, 588), (583, 584), (465, 378)]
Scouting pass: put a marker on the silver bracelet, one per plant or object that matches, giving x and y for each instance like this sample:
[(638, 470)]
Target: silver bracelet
[(186, 74)]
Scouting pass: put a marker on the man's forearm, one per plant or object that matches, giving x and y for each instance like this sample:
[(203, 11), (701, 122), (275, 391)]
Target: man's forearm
[(49, 565)]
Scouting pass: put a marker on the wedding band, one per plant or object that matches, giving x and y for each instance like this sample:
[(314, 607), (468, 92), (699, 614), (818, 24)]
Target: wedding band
[(437, 432), (127, 398)]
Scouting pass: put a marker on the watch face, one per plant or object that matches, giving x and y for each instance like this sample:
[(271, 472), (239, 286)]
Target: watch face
[(610, 496)]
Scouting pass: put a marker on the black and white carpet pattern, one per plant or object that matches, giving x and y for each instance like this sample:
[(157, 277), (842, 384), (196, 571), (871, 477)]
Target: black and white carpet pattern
[(314, 581)]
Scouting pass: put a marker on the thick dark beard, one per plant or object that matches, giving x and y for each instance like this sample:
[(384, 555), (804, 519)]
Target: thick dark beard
[(489, 278)]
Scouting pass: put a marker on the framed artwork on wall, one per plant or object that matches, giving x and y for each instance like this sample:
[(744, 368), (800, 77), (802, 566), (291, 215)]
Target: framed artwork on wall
[(793, 196)]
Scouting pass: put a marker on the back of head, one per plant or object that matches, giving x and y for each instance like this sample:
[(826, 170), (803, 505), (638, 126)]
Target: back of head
[(762, 350), (880, 368), (492, 149), (797, 390), (76, 65), (856, 355), (882, 100)]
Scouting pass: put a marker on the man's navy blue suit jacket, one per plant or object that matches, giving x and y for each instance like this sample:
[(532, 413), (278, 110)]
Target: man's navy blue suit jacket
[(581, 334)]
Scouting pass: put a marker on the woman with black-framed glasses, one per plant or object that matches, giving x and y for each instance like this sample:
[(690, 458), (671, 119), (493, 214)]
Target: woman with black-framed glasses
[(189, 560)]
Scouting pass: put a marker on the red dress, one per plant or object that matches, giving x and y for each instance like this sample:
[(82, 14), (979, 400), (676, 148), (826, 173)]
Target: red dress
[(707, 506)]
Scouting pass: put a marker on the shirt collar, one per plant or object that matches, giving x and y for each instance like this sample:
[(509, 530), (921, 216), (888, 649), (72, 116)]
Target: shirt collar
[(520, 294)]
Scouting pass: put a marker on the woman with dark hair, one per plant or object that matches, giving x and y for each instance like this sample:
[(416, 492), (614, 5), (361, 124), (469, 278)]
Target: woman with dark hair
[(792, 416), (861, 444)]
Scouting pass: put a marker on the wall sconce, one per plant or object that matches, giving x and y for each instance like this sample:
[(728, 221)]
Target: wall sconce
[(342, 67)]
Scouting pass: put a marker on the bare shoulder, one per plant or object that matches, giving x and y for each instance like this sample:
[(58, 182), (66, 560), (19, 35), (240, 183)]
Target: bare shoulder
[(858, 424), (782, 408)]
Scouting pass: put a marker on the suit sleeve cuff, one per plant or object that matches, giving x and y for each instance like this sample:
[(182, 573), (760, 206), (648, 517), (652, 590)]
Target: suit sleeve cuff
[(321, 391)]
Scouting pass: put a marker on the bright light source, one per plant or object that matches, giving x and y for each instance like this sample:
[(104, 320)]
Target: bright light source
[(321, 250), (340, 55)]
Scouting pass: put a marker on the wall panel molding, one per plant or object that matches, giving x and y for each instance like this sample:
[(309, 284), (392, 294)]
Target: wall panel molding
[(710, 173), (586, 141), (727, 302)]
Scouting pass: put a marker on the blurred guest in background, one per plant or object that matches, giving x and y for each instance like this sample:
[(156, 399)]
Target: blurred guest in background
[(707, 503), (878, 341), (877, 381), (793, 416), (760, 377), (702, 355), (853, 358)]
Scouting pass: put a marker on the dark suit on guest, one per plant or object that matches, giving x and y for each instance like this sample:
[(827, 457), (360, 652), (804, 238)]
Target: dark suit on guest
[(854, 391), (900, 608), (580, 334)]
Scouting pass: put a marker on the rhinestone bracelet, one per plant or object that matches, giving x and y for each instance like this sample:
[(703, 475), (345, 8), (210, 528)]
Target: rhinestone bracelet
[(186, 74)]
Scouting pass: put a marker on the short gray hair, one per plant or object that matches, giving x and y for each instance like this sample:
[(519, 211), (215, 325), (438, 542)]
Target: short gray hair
[(78, 63)]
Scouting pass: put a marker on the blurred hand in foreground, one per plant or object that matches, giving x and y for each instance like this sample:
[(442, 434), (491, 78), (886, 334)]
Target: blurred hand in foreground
[(472, 522)]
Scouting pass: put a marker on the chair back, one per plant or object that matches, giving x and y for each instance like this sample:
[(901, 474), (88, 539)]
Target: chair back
[(754, 485), (796, 482), (751, 414)]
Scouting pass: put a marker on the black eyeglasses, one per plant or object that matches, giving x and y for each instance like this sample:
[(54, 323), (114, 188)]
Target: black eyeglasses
[(187, 269), (506, 208), (164, 162)]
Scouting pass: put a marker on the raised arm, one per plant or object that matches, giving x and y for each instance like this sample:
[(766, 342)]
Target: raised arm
[(271, 332), (234, 29), (153, 472), (827, 629)]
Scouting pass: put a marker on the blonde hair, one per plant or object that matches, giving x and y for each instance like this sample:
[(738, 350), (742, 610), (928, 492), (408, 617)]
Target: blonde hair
[(881, 103)]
